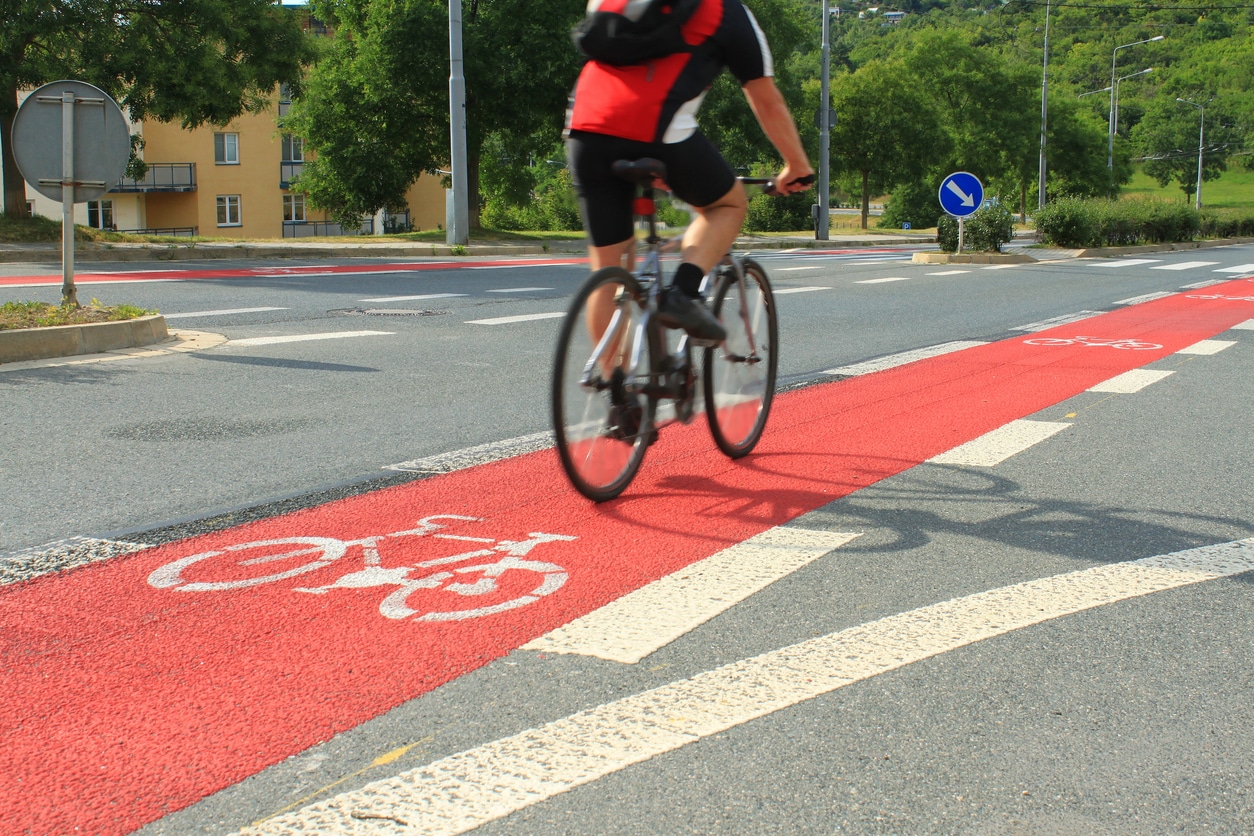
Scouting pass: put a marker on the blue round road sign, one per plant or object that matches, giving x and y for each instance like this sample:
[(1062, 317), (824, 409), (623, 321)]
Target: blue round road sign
[(961, 194)]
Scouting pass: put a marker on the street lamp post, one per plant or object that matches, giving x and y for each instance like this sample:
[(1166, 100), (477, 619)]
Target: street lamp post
[(1122, 78), (1110, 145), (823, 227), (1201, 130), (1040, 187)]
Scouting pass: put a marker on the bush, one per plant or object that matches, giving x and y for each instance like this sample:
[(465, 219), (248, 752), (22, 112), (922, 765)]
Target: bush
[(1077, 223), (984, 231), (914, 204), (1067, 222), (780, 214)]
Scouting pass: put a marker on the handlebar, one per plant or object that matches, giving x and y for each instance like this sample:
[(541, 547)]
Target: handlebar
[(768, 183)]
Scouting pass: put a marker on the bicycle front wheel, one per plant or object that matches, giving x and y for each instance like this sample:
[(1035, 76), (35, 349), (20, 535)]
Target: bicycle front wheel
[(739, 375), (602, 417)]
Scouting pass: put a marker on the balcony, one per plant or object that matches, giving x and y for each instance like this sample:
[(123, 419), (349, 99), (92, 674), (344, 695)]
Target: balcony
[(289, 171), (162, 177)]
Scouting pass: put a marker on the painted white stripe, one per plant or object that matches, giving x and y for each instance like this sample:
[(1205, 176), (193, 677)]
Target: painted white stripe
[(1000, 266), (1240, 268), (1207, 347), (641, 622), (793, 269), (61, 555), (301, 338), (505, 320), (1248, 325), (479, 454), (1126, 262), (1129, 382), (779, 291), (518, 289), (1148, 297), (463, 791), (413, 298), (994, 448), (881, 281), (220, 313), (1207, 283), (90, 282), (1184, 265), (511, 266), (948, 272), (1045, 324), (894, 360)]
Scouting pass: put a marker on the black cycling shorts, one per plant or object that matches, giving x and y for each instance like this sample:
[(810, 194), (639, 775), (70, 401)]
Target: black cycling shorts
[(695, 171)]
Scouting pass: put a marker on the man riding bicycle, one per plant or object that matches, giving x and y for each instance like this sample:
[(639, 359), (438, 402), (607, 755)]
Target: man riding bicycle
[(648, 109)]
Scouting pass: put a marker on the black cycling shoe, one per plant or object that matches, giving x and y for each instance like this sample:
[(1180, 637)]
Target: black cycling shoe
[(677, 309), (625, 413)]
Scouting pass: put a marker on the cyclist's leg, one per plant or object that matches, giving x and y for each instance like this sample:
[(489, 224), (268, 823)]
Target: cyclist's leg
[(700, 176)]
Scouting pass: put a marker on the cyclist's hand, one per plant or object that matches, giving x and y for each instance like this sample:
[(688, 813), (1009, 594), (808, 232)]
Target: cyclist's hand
[(791, 180)]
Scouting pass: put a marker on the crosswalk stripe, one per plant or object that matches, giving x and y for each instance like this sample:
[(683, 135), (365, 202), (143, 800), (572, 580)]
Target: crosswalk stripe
[(641, 622), (505, 320), (1126, 262), (948, 272), (1240, 268), (881, 281), (220, 313), (1130, 382), (463, 791), (301, 338), (1206, 347), (1184, 265), (995, 447), (413, 298), (780, 291)]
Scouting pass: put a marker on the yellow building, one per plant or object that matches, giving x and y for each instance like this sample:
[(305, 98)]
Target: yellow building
[(230, 182)]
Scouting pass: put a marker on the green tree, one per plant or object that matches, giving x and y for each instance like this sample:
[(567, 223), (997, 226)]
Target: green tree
[(195, 61), (1168, 136)]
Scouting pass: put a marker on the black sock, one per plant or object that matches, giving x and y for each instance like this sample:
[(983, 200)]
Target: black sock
[(688, 279)]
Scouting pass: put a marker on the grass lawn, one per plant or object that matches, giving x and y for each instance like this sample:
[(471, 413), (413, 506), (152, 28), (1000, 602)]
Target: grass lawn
[(1233, 190)]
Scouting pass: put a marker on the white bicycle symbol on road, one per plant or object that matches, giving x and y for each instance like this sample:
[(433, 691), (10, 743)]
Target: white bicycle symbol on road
[(1133, 345), (1219, 296), (234, 567)]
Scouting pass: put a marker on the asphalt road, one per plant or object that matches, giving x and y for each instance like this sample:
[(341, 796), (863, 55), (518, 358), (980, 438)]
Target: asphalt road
[(1131, 715)]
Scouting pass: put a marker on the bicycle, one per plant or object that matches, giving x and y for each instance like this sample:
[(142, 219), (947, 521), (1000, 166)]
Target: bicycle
[(485, 583), (611, 374)]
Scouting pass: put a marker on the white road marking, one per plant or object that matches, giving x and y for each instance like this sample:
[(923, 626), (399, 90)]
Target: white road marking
[(1000, 266), (1129, 382), (1240, 268), (1148, 297), (641, 622), (1045, 324), (881, 281), (479, 454), (779, 291), (413, 298), (300, 338), (90, 282), (61, 555), (1207, 283), (1207, 347), (220, 313), (505, 320), (792, 269), (1184, 265), (463, 791), (510, 266), (1127, 262), (518, 289), (1248, 325), (948, 272), (894, 360), (995, 447)]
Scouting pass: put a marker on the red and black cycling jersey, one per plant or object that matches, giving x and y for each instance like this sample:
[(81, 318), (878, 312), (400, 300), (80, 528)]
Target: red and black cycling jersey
[(658, 101)]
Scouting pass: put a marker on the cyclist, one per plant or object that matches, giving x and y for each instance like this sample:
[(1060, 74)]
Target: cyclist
[(649, 110)]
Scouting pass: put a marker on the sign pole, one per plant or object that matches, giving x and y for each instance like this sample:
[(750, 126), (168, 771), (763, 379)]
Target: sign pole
[(825, 132), (69, 293), (458, 232), (961, 230)]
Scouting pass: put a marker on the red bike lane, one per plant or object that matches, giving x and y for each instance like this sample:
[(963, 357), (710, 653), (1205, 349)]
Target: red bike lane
[(135, 687)]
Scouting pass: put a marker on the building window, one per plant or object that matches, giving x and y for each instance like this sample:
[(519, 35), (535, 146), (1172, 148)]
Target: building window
[(30, 208), (226, 149), (228, 210), (100, 214), (293, 149), (294, 208)]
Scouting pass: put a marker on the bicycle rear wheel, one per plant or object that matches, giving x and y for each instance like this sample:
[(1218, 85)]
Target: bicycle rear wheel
[(601, 417), (739, 375)]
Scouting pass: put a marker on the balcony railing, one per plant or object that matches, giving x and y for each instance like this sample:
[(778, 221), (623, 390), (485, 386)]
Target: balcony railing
[(172, 231), (289, 171), (162, 177), (318, 229)]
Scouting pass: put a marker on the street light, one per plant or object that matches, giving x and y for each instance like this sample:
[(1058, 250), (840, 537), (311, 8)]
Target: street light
[(1110, 146), (1040, 188), (1200, 133), (1125, 78)]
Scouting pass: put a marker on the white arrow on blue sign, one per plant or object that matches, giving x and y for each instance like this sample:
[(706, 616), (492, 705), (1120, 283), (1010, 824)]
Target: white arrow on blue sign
[(961, 193)]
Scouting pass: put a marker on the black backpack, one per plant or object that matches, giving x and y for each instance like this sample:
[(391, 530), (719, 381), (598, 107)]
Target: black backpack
[(642, 31)]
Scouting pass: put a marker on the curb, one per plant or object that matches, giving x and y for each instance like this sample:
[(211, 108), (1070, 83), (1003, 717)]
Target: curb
[(971, 258), (1162, 248), (72, 340)]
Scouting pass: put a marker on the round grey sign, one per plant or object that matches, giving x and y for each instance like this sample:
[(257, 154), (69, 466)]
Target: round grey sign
[(102, 141)]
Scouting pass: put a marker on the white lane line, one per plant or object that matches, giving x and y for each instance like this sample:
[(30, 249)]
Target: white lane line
[(881, 281), (463, 791), (518, 289), (413, 298), (641, 622), (894, 360), (1045, 324), (479, 454), (505, 320), (779, 291), (1127, 262), (1148, 297), (1248, 325), (793, 269), (1207, 283), (1129, 382), (61, 555), (89, 282), (948, 272), (510, 266), (1184, 265), (1240, 268), (301, 338), (995, 447), (1207, 347), (1000, 266), (220, 313)]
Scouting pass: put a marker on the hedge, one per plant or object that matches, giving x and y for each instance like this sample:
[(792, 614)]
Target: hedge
[(1080, 223)]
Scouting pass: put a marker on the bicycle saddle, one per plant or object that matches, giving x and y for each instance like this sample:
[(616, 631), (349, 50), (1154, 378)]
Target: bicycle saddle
[(643, 171)]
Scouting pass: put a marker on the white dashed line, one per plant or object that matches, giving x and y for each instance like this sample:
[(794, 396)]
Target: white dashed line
[(1184, 265), (893, 360), (479, 454), (220, 313), (1045, 324), (301, 338), (780, 291), (506, 320), (413, 298), (995, 447), (1126, 262), (1248, 325), (1207, 347), (881, 281), (948, 272), (518, 289), (1148, 297), (1207, 283), (1130, 382), (61, 555), (793, 269)]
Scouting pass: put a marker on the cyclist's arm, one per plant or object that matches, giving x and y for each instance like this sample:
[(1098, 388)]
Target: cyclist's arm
[(769, 107)]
